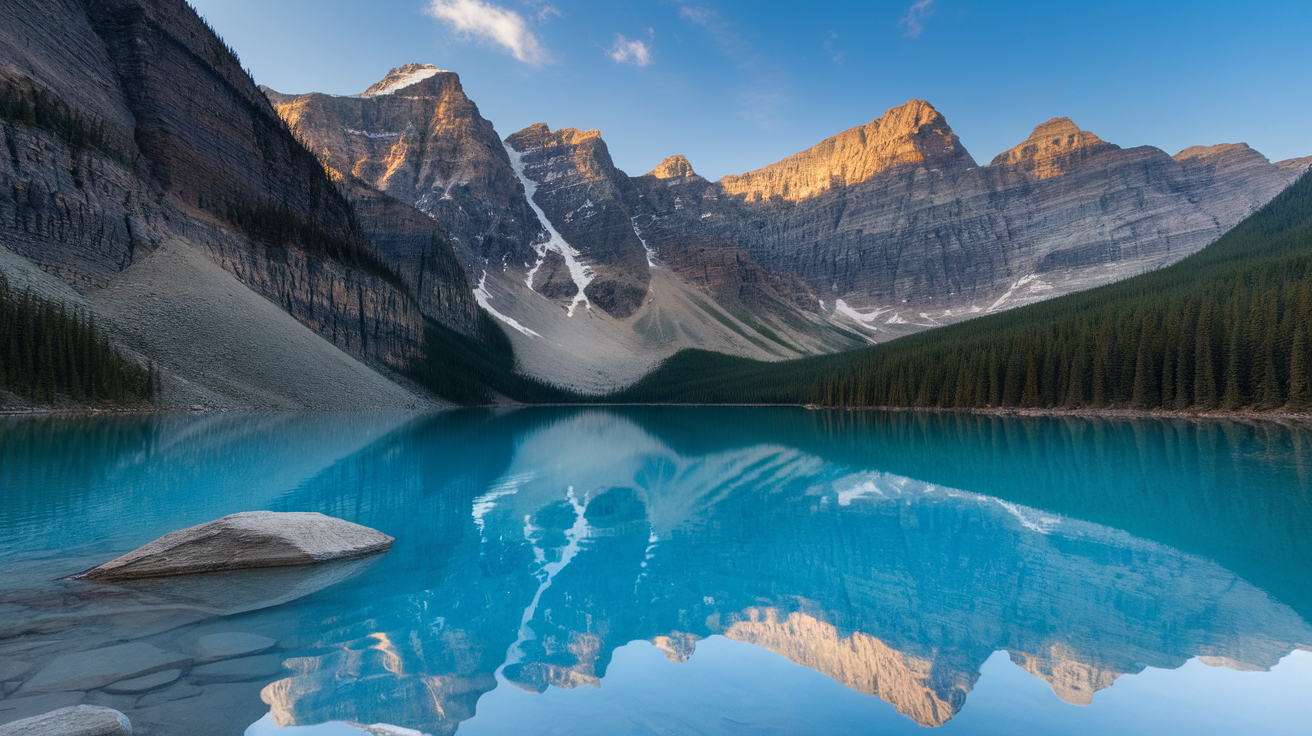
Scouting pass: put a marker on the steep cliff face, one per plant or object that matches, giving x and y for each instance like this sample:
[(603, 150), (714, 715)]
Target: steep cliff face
[(129, 125), (216, 145), (415, 136), (588, 201), (75, 195)]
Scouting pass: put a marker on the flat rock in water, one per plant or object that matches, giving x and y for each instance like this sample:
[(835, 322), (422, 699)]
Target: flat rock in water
[(79, 720), (231, 644), (97, 668), (177, 692), (143, 684), (241, 541), (237, 670)]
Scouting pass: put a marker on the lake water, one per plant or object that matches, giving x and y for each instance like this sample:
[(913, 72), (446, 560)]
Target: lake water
[(680, 570)]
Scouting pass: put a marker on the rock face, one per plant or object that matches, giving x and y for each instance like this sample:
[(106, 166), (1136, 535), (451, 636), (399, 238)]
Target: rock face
[(588, 201), (79, 720), (251, 539), (1055, 148), (415, 136), (912, 135), (159, 134), (896, 229)]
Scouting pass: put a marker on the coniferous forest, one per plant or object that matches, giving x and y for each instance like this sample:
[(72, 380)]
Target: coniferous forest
[(48, 352), (1228, 328)]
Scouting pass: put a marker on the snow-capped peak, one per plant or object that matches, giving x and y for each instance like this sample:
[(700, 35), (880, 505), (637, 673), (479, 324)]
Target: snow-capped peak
[(402, 77)]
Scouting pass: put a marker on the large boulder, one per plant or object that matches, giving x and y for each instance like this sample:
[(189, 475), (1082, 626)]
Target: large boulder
[(247, 540), (79, 720)]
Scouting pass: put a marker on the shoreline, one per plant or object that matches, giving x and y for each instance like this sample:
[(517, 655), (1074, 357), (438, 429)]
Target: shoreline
[(1248, 416)]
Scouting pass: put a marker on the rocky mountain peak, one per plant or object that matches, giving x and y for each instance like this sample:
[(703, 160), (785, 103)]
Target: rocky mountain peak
[(911, 134), (1217, 151), (409, 78), (673, 167), (1053, 149), (540, 135)]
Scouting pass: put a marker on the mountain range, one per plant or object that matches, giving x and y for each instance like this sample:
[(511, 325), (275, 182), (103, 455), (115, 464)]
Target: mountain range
[(278, 251)]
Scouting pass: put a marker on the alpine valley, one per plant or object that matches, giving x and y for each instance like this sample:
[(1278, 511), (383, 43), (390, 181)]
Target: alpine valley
[(391, 249)]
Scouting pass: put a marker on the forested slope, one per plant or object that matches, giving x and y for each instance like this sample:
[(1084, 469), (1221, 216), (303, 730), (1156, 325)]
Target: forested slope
[(48, 352), (1227, 328)]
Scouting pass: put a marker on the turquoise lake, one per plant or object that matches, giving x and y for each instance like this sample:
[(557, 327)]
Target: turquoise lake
[(684, 570)]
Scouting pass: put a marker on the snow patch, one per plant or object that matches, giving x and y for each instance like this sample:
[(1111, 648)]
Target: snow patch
[(483, 296), (367, 134), (1011, 291), (865, 319), (581, 274), (406, 80), (651, 254)]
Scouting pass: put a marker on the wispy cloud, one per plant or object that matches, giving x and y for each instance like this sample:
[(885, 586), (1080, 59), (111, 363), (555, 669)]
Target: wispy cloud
[(626, 51), (493, 24), (830, 46), (761, 96), (914, 20), (698, 15)]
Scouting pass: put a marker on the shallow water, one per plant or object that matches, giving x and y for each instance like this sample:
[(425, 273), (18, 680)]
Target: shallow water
[(677, 570)]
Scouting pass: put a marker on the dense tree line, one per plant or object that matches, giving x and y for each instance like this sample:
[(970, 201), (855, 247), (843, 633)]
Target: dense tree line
[(49, 352), (1227, 328), (474, 371)]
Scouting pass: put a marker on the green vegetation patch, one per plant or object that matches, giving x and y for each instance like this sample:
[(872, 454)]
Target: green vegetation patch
[(48, 352)]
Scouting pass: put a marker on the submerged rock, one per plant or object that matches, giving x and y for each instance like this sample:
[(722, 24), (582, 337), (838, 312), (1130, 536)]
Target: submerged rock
[(96, 668), (144, 684), (79, 720), (237, 670), (251, 539), (231, 644)]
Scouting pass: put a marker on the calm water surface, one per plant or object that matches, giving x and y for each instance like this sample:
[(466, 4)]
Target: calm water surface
[(669, 571)]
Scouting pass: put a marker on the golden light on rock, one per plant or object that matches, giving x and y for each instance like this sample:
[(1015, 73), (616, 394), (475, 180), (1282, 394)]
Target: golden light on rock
[(859, 661)]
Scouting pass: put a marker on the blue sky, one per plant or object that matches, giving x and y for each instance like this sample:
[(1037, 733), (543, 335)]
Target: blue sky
[(735, 85)]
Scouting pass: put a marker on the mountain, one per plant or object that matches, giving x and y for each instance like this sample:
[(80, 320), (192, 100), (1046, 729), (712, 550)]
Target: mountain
[(897, 230), (146, 171), (393, 234), (557, 244), (1223, 329), (415, 136)]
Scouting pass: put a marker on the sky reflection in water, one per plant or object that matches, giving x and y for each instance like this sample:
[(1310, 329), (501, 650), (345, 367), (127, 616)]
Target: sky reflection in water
[(668, 570)]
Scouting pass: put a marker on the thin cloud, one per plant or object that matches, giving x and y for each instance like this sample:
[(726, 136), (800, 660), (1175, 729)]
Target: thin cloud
[(761, 98), (626, 51), (914, 20), (493, 24), (830, 46), (700, 16)]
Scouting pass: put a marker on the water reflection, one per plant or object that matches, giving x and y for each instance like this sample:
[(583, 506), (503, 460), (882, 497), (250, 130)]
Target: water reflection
[(892, 553), (596, 532)]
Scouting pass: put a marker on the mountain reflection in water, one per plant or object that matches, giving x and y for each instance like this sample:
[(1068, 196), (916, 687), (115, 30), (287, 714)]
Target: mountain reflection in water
[(599, 528), (892, 553)]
